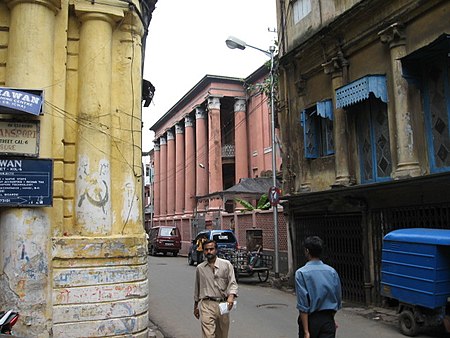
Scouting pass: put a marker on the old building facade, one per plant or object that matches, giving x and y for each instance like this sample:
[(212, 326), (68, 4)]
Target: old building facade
[(216, 135), (73, 260), (364, 120)]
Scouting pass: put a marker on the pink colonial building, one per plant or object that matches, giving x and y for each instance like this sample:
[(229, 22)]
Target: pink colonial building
[(214, 136)]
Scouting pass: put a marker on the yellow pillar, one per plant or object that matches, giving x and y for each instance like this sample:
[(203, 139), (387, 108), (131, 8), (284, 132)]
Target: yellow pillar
[(126, 152), (100, 273), (93, 184), (26, 231)]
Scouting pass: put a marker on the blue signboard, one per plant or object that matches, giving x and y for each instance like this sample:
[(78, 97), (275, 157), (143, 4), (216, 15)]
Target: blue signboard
[(20, 101), (26, 182)]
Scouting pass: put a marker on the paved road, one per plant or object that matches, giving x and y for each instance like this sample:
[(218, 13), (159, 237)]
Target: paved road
[(262, 311)]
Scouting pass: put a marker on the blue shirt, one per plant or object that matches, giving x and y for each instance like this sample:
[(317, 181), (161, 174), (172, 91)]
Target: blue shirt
[(318, 288)]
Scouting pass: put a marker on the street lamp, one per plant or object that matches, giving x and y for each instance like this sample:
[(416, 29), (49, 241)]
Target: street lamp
[(234, 43)]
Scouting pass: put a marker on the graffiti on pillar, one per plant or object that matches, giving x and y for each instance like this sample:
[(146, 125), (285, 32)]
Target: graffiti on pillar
[(95, 188), (130, 208)]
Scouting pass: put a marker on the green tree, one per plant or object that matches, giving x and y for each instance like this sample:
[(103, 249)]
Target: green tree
[(263, 203)]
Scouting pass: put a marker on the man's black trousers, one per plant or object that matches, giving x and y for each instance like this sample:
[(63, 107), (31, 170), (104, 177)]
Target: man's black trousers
[(321, 325)]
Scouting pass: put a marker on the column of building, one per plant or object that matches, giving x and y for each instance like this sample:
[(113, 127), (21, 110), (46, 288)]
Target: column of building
[(215, 150), (202, 160), (190, 167), (163, 178), (170, 174), (337, 68), (71, 127), (407, 161), (30, 63), (99, 235), (240, 139), (157, 181), (126, 152), (93, 183), (180, 162)]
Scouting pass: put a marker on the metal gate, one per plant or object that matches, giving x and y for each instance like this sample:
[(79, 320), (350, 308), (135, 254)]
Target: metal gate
[(435, 216), (343, 238)]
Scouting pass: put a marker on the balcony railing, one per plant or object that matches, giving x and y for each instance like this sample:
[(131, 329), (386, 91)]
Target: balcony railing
[(228, 150)]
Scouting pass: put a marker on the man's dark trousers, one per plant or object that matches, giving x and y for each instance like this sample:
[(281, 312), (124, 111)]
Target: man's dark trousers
[(321, 325)]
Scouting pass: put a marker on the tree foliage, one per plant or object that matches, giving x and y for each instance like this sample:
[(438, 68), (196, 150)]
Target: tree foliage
[(263, 203)]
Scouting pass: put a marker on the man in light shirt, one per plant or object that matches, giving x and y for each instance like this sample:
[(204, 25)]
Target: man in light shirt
[(215, 282), (319, 294)]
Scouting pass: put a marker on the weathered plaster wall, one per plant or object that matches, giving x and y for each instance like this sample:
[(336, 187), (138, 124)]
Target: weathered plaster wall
[(4, 35), (100, 286), (78, 268), (353, 30), (322, 13), (25, 268)]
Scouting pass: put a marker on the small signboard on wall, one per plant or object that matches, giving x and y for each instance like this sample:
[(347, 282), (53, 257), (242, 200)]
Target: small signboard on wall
[(26, 101), (26, 182), (19, 138)]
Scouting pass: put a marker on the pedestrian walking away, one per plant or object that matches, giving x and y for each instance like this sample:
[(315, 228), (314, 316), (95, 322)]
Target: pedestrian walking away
[(215, 291), (199, 249), (319, 295)]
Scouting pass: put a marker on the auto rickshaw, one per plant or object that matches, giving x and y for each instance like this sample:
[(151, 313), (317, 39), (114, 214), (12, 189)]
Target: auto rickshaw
[(415, 270)]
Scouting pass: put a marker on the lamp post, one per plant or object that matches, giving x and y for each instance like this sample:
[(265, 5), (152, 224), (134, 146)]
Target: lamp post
[(234, 43)]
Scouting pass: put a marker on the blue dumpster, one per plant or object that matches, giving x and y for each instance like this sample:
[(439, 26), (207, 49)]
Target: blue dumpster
[(415, 270)]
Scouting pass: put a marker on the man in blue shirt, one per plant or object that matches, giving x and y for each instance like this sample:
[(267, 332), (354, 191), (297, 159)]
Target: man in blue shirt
[(318, 290)]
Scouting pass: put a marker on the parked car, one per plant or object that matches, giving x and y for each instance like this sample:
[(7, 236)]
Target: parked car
[(225, 239), (164, 239)]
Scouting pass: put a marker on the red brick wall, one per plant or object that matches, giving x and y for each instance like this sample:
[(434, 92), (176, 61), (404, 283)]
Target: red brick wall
[(262, 220)]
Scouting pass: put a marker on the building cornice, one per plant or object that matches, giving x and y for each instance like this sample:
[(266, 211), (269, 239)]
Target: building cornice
[(54, 5)]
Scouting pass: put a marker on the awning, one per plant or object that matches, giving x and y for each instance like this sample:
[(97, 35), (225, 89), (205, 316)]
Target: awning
[(20, 101), (440, 46), (411, 63), (246, 188), (360, 89)]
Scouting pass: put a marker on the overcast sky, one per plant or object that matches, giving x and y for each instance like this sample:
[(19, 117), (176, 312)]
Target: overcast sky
[(186, 41)]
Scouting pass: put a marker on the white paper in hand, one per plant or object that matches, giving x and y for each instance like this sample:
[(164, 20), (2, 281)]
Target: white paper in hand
[(223, 307)]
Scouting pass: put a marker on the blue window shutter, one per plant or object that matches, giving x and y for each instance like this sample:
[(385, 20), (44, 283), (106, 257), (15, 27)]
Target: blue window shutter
[(309, 133), (329, 138)]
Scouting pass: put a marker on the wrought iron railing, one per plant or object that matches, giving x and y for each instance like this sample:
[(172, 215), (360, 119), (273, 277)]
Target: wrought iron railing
[(228, 150)]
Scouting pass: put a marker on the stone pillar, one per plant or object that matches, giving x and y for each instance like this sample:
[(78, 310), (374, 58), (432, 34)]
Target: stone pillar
[(179, 169), (93, 185), (126, 152), (407, 160), (215, 150), (190, 165), (170, 174), (157, 181), (240, 140), (337, 68), (25, 245), (163, 178), (201, 146)]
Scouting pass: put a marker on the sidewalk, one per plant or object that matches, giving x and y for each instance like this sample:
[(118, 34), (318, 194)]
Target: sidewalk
[(153, 331)]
